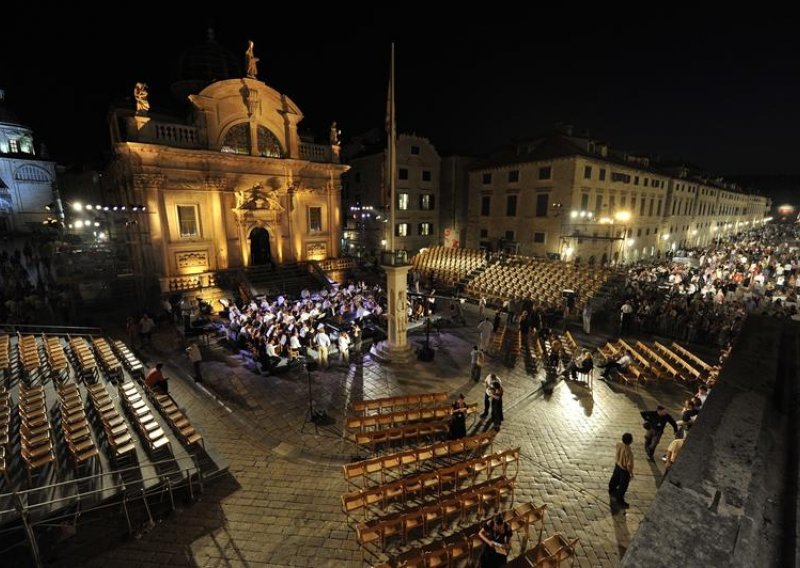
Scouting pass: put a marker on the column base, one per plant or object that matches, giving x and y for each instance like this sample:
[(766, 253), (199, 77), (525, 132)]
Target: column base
[(392, 353)]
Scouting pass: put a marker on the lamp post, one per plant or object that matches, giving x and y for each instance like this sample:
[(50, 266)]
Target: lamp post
[(623, 217)]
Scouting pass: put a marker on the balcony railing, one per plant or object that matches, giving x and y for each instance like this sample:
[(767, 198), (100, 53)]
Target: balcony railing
[(176, 135), (315, 152)]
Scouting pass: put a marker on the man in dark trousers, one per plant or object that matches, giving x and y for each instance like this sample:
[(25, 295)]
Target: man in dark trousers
[(657, 420), (623, 470)]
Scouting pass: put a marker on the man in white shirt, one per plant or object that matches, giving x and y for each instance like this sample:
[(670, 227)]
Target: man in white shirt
[(323, 342), (485, 329), (619, 365), (344, 347)]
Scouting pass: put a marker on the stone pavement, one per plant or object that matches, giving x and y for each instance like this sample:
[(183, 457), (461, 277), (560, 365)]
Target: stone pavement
[(280, 506)]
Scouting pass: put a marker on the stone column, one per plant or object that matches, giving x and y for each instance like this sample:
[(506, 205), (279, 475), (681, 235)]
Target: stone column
[(396, 348)]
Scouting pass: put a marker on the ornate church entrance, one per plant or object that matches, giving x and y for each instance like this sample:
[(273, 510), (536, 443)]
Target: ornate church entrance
[(260, 253)]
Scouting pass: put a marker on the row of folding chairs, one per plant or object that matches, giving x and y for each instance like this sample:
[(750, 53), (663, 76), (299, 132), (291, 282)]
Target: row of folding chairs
[(75, 426), (5, 355), (132, 364), (440, 480), (689, 373), (402, 435), (402, 417), (465, 545), (139, 411), (480, 498), (176, 418), (5, 417), (393, 403), (35, 431), (119, 442), (28, 349), (393, 465), (108, 360), (56, 357), (83, 359)]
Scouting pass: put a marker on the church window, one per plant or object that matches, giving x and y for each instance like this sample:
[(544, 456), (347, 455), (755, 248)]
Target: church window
[(268, 144), (187, 221), (315, 219), (237, 140)]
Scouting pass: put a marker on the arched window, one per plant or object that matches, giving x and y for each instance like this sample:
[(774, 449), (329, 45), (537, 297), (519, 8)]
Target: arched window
[(32, 174), (268, 144), (237, 140)]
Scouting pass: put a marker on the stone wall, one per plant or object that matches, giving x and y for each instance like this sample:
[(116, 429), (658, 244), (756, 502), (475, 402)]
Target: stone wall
[(731, 498)]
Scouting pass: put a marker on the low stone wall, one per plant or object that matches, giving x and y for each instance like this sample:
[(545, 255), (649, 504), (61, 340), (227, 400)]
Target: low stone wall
[(725, 501)]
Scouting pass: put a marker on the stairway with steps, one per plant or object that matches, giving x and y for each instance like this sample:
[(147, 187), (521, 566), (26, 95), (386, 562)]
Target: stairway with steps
[(288, 279)]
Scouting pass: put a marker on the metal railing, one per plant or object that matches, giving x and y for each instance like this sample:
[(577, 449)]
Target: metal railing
[(79, 499)]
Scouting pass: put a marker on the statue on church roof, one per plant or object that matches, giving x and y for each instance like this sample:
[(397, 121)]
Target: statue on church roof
[(251, 61), (140, 94), (336, 135)]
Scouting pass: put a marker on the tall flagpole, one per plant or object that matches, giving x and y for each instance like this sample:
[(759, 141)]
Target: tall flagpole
[(391, 170)]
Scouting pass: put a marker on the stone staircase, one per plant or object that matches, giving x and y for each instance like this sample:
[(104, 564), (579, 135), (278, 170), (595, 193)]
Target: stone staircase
[(287, 279)]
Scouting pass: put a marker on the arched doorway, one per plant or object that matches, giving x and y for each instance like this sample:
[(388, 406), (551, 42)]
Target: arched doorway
[(260, 253)]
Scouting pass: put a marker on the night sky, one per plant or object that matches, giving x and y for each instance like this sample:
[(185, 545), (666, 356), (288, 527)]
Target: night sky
[(722, 95)]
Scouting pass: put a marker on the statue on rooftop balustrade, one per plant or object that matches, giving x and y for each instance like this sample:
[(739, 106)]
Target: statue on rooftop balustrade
[(251, 61), (140, 94)]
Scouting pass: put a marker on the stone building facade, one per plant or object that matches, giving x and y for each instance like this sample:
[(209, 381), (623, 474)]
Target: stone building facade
[(233, 185), (28, 194), (570, 197)]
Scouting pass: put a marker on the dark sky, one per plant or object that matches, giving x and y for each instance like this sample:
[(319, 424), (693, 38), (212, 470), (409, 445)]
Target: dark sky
[(721, 94)]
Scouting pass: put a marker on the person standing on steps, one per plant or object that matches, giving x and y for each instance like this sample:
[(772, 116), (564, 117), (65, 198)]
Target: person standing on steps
[(623, 470)]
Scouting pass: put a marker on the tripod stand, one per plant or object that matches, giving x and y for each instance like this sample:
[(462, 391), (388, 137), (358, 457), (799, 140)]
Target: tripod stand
[(313, 416)]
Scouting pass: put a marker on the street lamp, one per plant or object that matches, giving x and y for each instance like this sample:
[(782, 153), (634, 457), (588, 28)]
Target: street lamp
[(623, 217)]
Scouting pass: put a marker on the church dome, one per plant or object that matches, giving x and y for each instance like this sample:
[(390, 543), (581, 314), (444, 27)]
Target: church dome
[(204, 64)]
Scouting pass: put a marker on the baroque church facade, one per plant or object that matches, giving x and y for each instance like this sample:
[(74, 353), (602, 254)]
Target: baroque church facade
[(27, 181), (234, 185)]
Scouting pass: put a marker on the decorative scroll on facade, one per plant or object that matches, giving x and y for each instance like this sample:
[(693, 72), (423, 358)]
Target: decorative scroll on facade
[(192, 259), (317, 251)]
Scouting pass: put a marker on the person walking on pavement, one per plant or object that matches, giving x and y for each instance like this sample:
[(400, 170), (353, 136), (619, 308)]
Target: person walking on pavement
[(587, 317), (196, 357), (481, 306), (497, 404), (654, 422), (623, 470), (625, 318), (475, 363), (486, 329), (487, 393)]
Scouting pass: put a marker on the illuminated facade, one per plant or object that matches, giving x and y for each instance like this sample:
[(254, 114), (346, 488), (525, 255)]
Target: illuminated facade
[(27, 182), (233, 186), (570, 197)]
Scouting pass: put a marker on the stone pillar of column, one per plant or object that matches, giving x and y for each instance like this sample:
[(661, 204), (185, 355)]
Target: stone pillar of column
[(396, 348)]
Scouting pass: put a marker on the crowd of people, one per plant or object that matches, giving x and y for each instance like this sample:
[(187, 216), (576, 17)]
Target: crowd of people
[(705, 295), (28, 287), (271, 329)]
